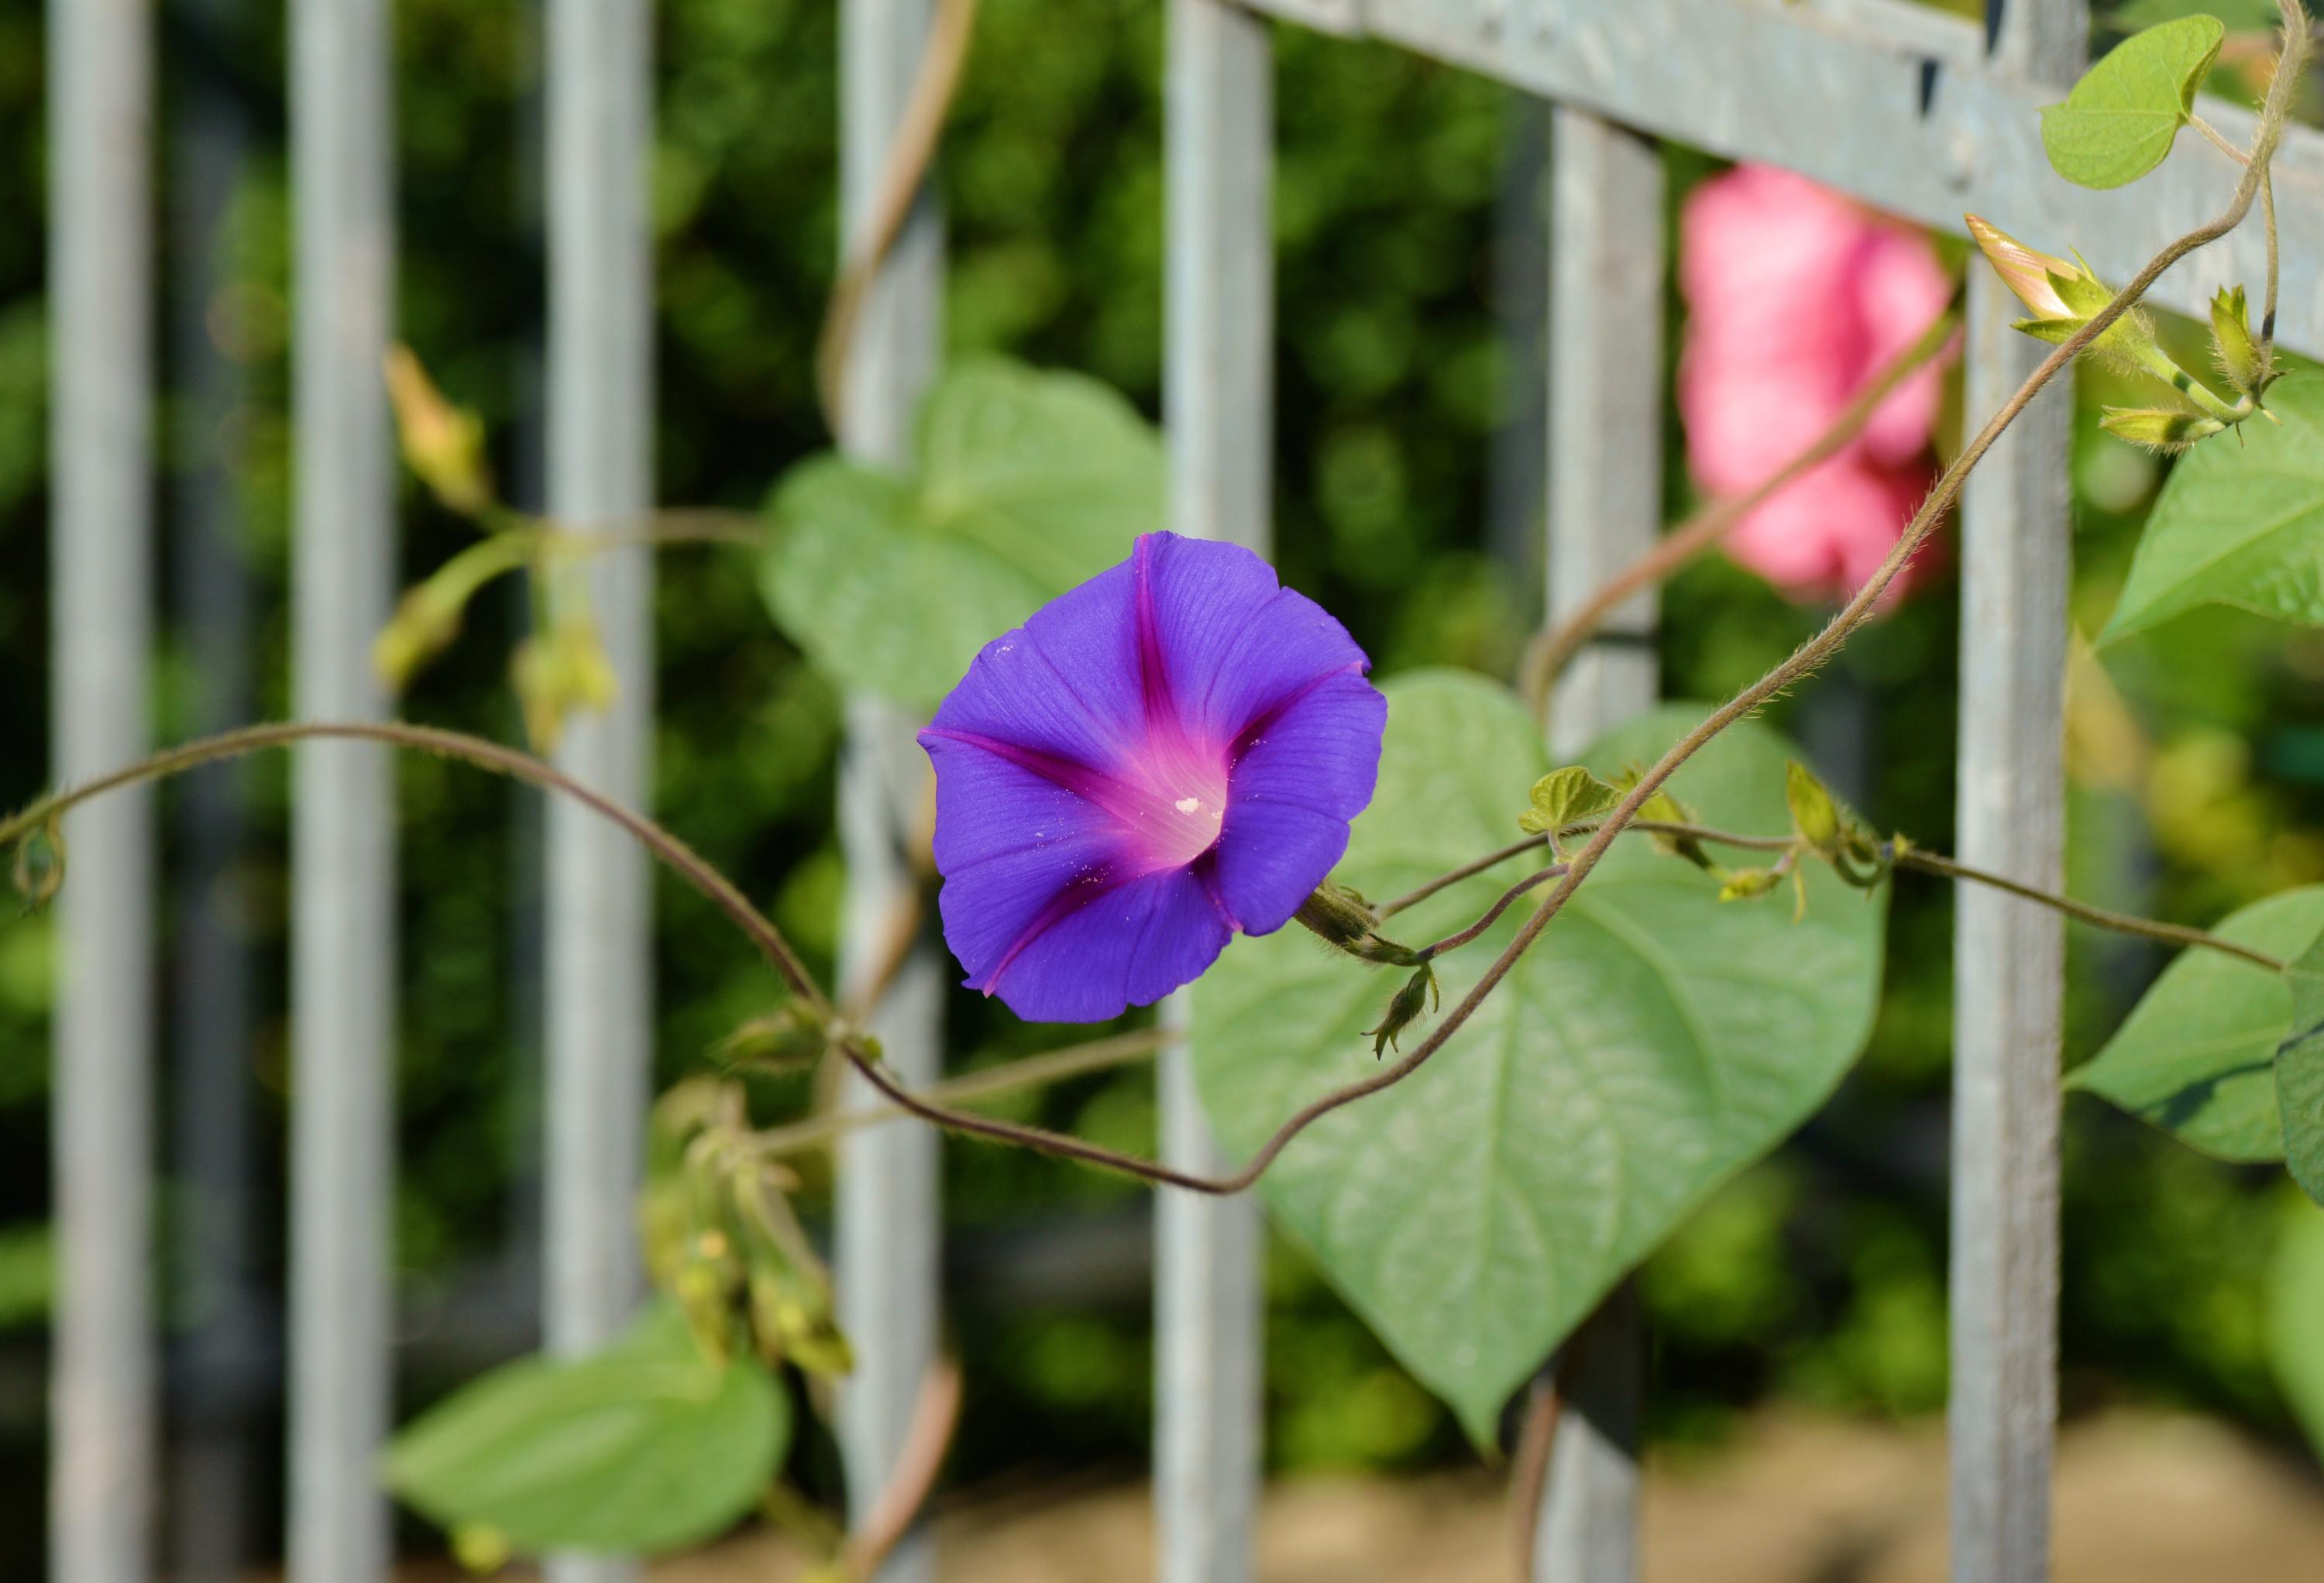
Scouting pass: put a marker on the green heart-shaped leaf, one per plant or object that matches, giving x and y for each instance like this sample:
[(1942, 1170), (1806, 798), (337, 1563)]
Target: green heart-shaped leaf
[(646, 1447), (2299, 1072), (2118, 121), (1653, 1042), (2196, 1056), (2240, 522), (2295, 1304), (1027, 484)]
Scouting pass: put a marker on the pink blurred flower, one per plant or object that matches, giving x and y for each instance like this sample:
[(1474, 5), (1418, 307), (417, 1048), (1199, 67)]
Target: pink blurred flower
[(1797, 297)]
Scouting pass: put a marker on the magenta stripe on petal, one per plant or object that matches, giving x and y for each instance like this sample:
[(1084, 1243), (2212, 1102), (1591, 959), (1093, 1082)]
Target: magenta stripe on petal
[(1163, 755)]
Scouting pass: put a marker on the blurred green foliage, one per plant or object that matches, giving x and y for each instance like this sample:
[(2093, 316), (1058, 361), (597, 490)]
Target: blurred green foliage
[(1818, 1274)]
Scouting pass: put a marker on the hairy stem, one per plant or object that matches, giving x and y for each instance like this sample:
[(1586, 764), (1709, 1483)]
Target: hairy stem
[(1552, 649)]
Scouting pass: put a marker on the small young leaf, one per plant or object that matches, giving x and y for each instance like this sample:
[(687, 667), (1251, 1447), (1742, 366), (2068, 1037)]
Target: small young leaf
[(1815, 814), (1563, 797), (2238, 524), (2299, 1072), (2118, 121), (646, 1447), (2195, 1055)]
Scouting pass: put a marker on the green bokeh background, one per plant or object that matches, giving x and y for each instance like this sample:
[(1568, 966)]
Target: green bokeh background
[(1817, 1278)]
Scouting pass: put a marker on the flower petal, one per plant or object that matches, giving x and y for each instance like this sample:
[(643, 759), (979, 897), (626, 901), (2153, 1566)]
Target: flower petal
[(1091, 949), (1305, 771), (1231, 642)]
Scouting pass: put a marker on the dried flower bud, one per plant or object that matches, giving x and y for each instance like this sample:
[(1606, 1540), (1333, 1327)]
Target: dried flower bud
[(442, 444), (1419, 993)]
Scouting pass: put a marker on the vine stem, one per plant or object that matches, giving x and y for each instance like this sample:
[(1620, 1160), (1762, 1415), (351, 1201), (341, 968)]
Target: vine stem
[(723, 893), (1904, 854), (1030, 1071), (666, 848), (1552, 649), (1816, 650), (917, 133)]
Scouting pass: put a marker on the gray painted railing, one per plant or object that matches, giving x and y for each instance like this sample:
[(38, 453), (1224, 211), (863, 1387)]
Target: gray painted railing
[(1918, 111), (598, 895)]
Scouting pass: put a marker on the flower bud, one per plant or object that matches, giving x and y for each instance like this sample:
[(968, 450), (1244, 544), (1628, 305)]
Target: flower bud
[(1815, 814), (1748, 884), (442, 444), (2064, 297), (2231, 339), (1336, 915), (2159, 428), (554, 675)]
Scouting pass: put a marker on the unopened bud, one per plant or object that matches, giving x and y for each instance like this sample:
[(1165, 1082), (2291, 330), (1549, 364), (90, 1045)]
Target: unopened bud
[(557, 674), (2159, 428), (796, 1036), (1748, 884), (442, 444), (1815, 814), (1336, 915), (2231, 339)]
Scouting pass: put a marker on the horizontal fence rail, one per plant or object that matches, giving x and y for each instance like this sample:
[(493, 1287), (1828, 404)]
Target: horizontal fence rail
[(1899, 105)]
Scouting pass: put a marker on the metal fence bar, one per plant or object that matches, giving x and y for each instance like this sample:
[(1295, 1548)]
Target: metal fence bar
[(889, 1231), (598, 895), (1219, 394), (2009, 957), (100, 281), (1890, 100), (343, 950), (1605, 510)]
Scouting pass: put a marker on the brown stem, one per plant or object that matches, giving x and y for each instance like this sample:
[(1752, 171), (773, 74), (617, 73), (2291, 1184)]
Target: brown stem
[(1031, 1071), (918, 132), (1454, 940), (1530, 1468), (1552, 649), (1912, 857), (925, 1439)]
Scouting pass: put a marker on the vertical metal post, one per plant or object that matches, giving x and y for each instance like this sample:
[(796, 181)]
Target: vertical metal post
[(343, 950), (598, 895), (100, 281), (2008, 957), (1605, 510), (1219, 392), (889, 1265)]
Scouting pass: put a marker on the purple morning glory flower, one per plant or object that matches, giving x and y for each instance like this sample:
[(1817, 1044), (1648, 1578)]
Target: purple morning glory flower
[(1168, 754)]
